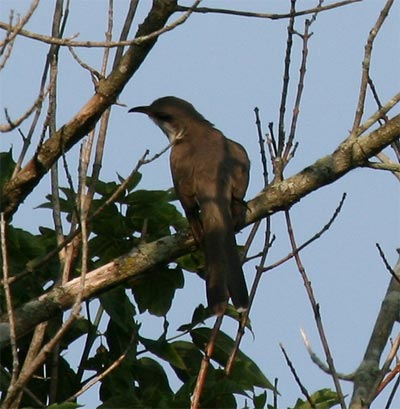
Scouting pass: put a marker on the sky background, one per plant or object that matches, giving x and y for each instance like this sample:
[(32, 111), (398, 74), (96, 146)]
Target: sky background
[(226, 66)]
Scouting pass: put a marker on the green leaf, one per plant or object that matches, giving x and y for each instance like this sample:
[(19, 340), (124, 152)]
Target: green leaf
[(191, 356), (156, 293), (194, 262), (7, 166), (135, 179), (153, 206), (164, 350), (119, 308), (102, 188), (124, 400), (150, 374), (200, 314), (259, 401), (119, 383), (219, 391), (23, 248), (66, 405), (244, 371), (322, 399)]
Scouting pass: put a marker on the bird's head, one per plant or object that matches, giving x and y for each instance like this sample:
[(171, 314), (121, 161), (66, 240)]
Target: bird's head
[(173, 115)]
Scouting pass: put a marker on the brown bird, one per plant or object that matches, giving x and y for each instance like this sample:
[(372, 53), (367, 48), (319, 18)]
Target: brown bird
[(210, 174)]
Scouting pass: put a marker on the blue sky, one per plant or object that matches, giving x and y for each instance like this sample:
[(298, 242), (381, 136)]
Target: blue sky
[(226, 66)]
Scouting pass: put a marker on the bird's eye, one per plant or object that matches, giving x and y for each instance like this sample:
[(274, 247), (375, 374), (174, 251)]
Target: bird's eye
[(162, 116)]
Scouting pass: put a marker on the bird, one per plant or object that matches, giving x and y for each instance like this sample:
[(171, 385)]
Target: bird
[(210, 174)]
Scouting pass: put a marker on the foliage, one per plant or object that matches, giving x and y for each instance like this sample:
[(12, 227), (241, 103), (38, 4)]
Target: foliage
[(322, 399), (142, 379)]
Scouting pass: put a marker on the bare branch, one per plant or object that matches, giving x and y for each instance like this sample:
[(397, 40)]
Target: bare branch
[(12, 32), (285, 87), (13, 123), (369, 375), (208, 353), (317, 361), (275, 197), (349, 155), (386, 164), (297, 378), (106, 44), (316, 236), (15, 191), (393, 373), (300, 86), (381, 113), (366, 64), (387, 265), (102, 375), (271, 16), (316, 309), (94, 73), (9, 303)]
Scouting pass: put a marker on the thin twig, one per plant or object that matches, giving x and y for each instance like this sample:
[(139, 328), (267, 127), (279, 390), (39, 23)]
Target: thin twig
[(261, 144), (245, 315), (12, 32), (285, 85), (271, 16), (102, 44), (110, 19), (14, 123), (50, 123), (303, 389), (14, 391), (118, 191), (208, 353), (125, 30), (386, 366), (94, 73), (366, 65), (378, 114), (376, 96), (385, 164), (267, 244), (312, 239), (27, 391), (316, 310), (9, 304), (7, 46), (91, 337), (393, 393), (318, 361), (188, 10), (300, 86), (387, 265), (102, 375)]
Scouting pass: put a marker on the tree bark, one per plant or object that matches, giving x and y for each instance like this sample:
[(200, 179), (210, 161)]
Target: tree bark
[(350, 154), (16, 190)]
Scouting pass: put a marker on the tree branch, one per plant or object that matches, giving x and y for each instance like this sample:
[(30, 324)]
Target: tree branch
[(277, 196), (15, 191), (349, 155), (271, 16), (369, 375)]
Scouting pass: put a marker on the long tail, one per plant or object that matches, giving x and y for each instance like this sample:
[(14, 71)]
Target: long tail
[(224, 274)]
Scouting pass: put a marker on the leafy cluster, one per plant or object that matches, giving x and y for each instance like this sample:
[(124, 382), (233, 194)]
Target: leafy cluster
[(141, 379)]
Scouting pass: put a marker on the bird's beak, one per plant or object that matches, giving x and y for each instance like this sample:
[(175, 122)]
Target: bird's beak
[(142, 109)]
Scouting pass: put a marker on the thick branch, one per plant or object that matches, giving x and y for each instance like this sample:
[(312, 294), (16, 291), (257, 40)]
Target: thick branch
[(369, 375), (140, 260), (350, 154), (280, 195), (16, 190)]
